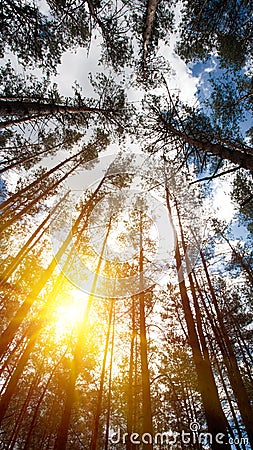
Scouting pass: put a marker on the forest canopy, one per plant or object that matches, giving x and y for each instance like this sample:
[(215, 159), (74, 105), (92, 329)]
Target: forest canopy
[(126, 225)]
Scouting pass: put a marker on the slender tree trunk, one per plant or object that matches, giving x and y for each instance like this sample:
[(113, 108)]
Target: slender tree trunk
[(199, 321), (17, 162), (108, 414), (94, 441), (18, 423), (150, 17), (5, 400), (36, 182), (136, 391), (215, 418), (246, 267), (31, 335), (29, 110), (62, 435), (18, 318), (239, 157), (36, 411), (231, 364), (27, 247), (244, 346), (35, 200), (147, 426), (231, 406), (130, 399)]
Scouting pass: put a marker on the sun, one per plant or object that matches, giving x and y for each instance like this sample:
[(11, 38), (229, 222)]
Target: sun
[(69, 313)]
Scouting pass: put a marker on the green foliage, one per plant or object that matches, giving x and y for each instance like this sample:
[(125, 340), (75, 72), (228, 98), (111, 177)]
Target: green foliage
[(40, 39), (17, 86), (243, 196), (231, 103), (213, 26)]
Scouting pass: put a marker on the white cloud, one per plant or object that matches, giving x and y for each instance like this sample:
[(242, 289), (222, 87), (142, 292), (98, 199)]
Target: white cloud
[(222, 203), (76, 66)]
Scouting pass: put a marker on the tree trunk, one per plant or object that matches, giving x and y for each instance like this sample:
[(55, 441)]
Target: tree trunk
[(130, 399), (237, 156), (5, 400), (110, 387), (147, 426), (29, 110), (26, 247), (18, 318), (45, 175), (150, 17), (16, 162), (31, 335), (101, 386), (246, 267), (21, 416), (215, 418), (35, 413), (62, 434), (35, 200), (234, 374)]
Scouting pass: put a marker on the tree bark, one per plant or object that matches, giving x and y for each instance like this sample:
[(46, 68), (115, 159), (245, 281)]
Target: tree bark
[(150, 17), (239, 157), (62, 434), (147, 426), (29, 110), (101, 384), (234, 374), (18, 318), (216, 421)]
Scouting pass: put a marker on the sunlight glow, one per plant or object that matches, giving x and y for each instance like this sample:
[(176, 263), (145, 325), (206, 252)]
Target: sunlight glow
[(69, 313)]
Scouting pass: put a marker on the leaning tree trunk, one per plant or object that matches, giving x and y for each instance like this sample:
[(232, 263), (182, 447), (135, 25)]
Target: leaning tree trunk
[(30, 110), (12, 441), (44, 176), (239, 156), (216, 421), (31, 335), (36, 411), (230, 360), (30, 243), (18, 318), (14, 162), (41, 195), (6, 398)]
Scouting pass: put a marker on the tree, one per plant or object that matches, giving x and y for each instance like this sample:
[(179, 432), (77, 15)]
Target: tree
[(224, 27), (215, 417), (190, 133), (39, 39)]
